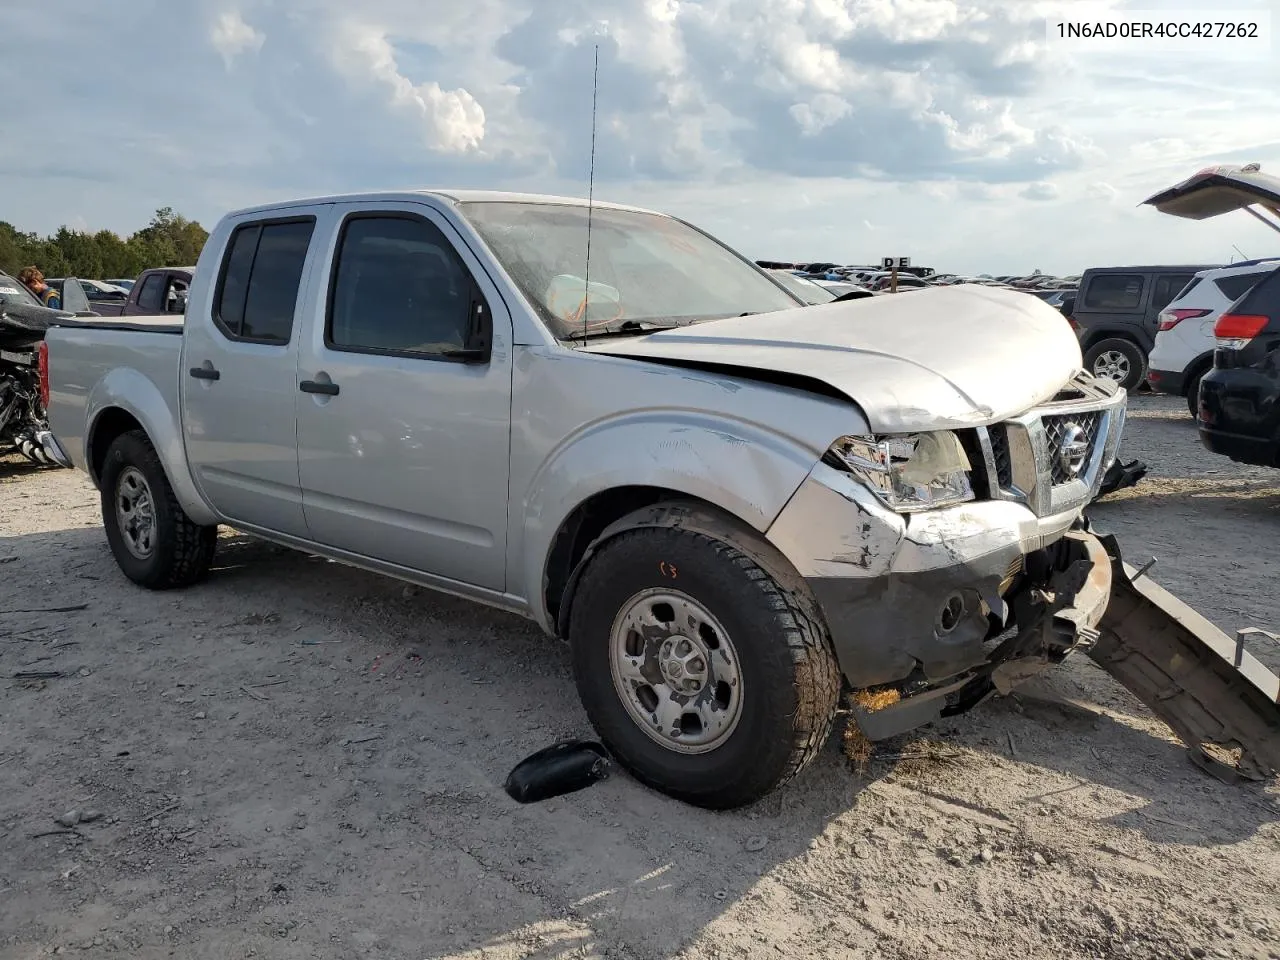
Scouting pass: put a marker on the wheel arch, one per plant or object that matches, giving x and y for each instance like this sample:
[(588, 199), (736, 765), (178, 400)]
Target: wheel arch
[(126, 400), (1196, 369), (612, 512)]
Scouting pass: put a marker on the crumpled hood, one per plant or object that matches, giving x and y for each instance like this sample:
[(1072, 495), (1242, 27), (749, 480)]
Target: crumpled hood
[(941, 358)]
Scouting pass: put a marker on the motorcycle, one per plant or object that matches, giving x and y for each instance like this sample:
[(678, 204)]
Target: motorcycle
[(23, 322)]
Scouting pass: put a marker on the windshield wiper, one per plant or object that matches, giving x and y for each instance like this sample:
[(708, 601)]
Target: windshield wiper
[(627, 328)]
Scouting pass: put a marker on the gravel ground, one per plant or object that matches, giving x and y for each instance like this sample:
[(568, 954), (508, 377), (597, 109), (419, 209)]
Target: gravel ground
[(300, 760)]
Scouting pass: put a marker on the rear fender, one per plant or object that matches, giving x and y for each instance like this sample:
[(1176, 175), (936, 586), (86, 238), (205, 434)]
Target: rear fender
[(130, 391)]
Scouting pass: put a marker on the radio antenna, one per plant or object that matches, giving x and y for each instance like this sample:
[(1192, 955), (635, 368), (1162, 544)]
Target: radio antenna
[(591, 188)]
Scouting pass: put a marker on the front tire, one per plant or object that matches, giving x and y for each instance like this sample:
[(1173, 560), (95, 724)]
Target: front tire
[(1120, 360), (155, 543), (708, 678)]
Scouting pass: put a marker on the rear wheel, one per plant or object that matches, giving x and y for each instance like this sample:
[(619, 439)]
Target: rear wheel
[(1193, 394), (1120, 360), (707, 677), (153, 540)]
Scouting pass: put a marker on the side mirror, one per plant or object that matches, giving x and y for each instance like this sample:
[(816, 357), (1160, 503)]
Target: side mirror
[(74, 299)]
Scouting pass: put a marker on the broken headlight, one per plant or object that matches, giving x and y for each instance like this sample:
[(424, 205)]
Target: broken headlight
[(907, 473)]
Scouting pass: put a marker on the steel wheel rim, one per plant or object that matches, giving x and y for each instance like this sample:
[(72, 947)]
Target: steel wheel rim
[(1111, 364), (676, 671), (135, 513)]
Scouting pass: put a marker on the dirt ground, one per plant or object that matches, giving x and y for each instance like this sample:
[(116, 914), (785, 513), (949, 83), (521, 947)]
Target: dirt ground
[(300, 760)]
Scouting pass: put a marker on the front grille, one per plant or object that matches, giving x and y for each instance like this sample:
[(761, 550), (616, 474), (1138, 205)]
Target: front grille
[(1081, 429), (1000, 452)]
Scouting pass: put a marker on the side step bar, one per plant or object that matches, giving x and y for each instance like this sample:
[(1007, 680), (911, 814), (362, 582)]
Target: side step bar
[(1215, 695)]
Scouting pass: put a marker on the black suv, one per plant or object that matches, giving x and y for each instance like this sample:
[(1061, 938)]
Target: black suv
[(1240, 397), (1116, 316)]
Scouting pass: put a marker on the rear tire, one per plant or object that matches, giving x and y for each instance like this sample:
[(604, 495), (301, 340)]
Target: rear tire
[(153, 540), (1116, 359), (769, 683), (1193, 395)]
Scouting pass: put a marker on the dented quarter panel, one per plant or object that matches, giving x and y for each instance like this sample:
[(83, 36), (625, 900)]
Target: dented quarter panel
[(897, 357), (589, 423)]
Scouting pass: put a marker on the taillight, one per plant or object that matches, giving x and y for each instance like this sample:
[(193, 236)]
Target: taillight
[(1239, 326), (42, 363), (1171, 318)]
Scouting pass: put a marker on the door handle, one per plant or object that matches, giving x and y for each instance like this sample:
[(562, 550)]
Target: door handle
[(315, 386), (204, 373)]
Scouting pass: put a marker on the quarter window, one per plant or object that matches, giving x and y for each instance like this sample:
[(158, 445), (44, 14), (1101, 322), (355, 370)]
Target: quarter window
[(261, 276), (399, 287), (1233, 288), (1114, 291)]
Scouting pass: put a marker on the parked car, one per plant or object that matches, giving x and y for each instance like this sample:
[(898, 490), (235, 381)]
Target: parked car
[(1239, 409), (96, 290), (1239, 413), (1117, 315), (124, 284), (727, 502), (1183, 351), (162, 290)]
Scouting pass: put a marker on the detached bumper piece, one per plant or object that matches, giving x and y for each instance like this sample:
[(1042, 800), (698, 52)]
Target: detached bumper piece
[(1120, 475), (1057, 602), (1215, 695)]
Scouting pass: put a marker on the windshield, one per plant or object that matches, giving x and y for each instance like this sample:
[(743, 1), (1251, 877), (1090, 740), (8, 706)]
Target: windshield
[(646, 269), (11, 289), (808, 291)]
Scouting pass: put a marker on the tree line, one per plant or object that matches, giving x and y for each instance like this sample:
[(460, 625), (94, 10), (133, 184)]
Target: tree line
[(169, 240)]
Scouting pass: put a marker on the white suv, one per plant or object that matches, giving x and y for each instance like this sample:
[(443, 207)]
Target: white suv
[(1183, 350)]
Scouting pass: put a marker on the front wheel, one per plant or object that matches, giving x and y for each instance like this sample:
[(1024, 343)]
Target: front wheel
[(704, 675), (1120, 360), (153, 540)]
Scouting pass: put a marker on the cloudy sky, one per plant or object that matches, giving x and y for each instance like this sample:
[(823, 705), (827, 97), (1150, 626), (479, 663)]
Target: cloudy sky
[(945, 130)]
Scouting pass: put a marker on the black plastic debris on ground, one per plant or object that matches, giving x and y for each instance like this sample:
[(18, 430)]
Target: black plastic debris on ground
[(1121, 475), (564, 767)]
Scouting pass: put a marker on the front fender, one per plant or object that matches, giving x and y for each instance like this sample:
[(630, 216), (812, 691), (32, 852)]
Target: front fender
[(128, 390), (740, 467)]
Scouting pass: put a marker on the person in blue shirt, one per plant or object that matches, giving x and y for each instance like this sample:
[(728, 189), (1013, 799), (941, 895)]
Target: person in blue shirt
[(33, 280)]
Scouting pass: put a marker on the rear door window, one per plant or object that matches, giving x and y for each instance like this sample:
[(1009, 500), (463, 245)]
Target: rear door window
[(1167, 287), (257, 293), (1233, 288), (151, 296), (1114, 291)]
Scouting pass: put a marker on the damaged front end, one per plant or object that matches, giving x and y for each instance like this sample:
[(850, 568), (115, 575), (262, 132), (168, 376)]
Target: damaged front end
[(1078, 593), (1052, 607)]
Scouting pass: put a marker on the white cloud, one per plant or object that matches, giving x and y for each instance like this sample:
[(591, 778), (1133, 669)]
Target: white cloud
[(1039, 191), (231, 36)]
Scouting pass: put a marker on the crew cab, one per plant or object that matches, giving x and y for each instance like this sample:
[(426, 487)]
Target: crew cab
[(733, 506)]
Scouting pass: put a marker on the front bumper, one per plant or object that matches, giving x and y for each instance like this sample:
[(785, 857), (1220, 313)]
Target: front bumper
[(910, 596)]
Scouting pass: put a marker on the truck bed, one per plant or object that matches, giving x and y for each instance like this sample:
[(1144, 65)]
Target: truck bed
[(96, 363)]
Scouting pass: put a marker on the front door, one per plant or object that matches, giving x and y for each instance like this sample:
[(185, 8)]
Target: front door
[(239, 376), (404, 437)]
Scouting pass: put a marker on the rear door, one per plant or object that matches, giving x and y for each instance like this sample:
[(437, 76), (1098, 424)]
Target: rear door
[(403, 445), (240, 370), (1114, 300), (150, 298)]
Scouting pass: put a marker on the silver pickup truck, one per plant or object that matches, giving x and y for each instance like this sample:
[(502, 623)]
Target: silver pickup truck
[(735, 508)]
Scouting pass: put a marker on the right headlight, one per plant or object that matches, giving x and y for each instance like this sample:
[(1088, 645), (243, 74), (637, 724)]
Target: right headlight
[(908, 473)]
